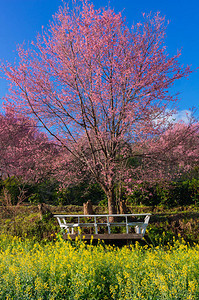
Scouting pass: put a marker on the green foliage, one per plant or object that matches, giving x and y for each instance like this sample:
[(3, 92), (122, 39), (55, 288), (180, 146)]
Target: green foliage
[(167, 194), (29, 225), (12, 185), (43, 192), (156, 235), (79, 194), (193, 190)]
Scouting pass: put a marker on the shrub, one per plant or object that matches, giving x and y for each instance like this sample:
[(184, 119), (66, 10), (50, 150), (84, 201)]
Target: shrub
[(169, 194)]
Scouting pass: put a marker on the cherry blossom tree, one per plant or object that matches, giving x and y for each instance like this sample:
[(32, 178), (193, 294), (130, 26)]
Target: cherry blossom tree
[(178, 150), (98, 87), (167, 157), (24, 151)]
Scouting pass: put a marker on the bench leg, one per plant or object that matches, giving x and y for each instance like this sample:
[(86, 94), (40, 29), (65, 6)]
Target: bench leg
[(138, 229), (144, 229)]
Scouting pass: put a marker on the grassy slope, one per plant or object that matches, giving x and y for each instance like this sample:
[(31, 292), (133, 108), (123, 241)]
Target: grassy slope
[(164, 223)]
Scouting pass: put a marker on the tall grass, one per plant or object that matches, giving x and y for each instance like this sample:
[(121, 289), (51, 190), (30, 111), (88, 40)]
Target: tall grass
[(62, 270)]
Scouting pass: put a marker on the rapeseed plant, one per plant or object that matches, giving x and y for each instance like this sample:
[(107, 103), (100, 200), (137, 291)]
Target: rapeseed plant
[(64, 270)]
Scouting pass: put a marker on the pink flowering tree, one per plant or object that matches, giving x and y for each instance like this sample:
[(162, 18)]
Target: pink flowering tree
[(24, 151), (98, 87), (167, 157)]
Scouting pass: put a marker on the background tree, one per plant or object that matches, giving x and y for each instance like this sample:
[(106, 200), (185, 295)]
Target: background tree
[(97, 87), (24, 151), (25, 161), (167, 158)]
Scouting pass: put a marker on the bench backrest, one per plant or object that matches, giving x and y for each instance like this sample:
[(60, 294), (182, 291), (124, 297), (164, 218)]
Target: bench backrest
[(140, 227)]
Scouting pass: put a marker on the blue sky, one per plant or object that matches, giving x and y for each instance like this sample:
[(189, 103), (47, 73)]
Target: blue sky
[(21, 20)]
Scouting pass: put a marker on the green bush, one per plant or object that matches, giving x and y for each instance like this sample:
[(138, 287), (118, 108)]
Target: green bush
[(79, 194), (167, 194), (170, 194), (12, 185), (43, 192)]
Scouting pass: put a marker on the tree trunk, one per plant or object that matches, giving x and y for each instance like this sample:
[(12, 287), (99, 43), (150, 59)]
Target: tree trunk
[(88, 208), (111, 204), (122, 207), (45, 212)]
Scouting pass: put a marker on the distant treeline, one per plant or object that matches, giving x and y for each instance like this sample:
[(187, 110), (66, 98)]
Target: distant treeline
[(184, 192)]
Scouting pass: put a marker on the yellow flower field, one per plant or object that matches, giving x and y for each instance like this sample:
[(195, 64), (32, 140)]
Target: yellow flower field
[(62, 270)]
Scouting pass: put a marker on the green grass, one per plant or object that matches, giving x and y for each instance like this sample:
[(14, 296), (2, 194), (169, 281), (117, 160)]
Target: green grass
[(27, 222)]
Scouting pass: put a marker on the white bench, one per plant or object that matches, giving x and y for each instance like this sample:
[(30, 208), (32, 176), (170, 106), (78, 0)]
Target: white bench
[(98, 221)]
